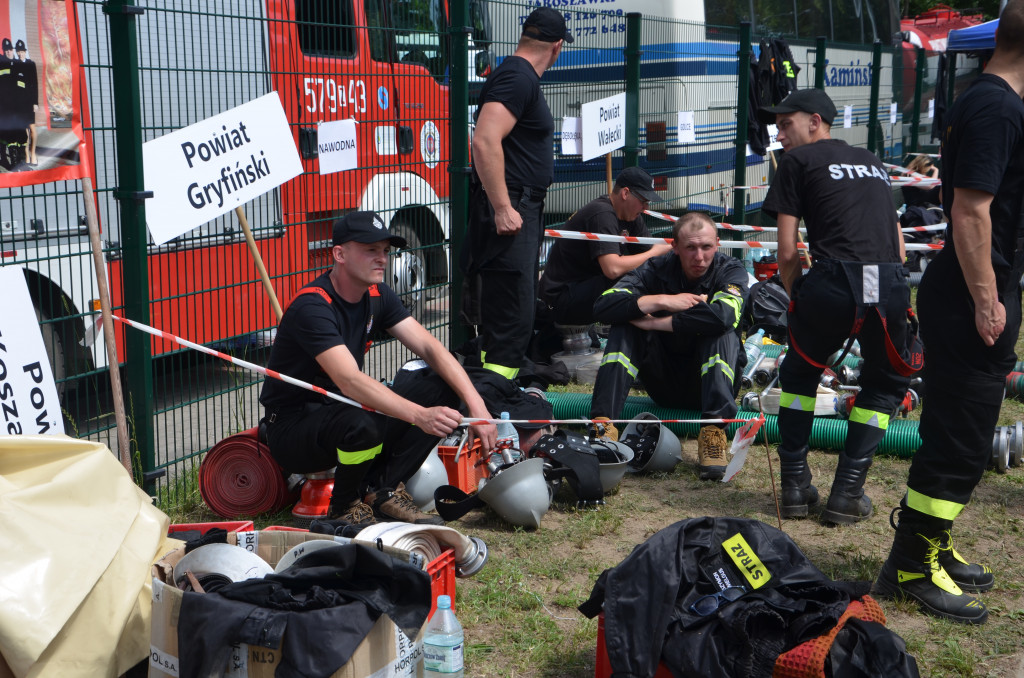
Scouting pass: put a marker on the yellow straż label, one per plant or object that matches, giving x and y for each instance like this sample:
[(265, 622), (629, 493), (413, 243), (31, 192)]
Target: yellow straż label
[(747, 561)]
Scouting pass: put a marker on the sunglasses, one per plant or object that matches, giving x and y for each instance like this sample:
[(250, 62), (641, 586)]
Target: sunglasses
[(708, 604)]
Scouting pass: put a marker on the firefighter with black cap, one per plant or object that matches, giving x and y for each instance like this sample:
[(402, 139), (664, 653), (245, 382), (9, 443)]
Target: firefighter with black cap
[(9, 123), (856, 287), (27, 102), (321, 339)]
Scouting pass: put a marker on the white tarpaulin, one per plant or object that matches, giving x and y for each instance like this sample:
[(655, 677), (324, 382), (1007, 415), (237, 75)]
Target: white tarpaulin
[(78, 540)]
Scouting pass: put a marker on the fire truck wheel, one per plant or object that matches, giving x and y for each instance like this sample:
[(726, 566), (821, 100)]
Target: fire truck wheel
[(54, 348), (407, 271)]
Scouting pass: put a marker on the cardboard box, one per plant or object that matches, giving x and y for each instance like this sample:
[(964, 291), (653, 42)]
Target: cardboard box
[(385, 652)]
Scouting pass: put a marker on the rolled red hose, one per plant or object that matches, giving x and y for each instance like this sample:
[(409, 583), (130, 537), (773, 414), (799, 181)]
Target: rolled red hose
[(1015, 384), (239, 479)]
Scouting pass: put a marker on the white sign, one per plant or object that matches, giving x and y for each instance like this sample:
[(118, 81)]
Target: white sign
[(773, 139), (847, 117), (207, 169), (687, 132), (28, 397), (892, 113), (571, 132), (931, 109), (336, 146), (604, 126)]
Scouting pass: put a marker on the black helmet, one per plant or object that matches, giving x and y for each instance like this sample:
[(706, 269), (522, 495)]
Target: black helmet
[(7, 44), (20, 46)]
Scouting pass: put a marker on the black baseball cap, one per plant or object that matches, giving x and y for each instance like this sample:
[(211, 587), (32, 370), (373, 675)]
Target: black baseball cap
[(547, 25), (806, 100), (366, 227), (637, 181)]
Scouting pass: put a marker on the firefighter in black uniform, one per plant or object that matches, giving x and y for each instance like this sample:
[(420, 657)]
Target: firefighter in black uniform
[(844, 196), (27, 84), (321, 339), (675, 320), (970, 304), (11, 132)]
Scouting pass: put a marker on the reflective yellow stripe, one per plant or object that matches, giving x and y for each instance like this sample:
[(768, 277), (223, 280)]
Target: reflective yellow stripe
[(507, 372), (621, 359), (616, 289), (359, 456), (937, 508), (793, 401), (731, 300), (869, 417), (717, 360)]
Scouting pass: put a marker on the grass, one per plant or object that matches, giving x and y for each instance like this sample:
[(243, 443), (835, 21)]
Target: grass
[(519, 610)]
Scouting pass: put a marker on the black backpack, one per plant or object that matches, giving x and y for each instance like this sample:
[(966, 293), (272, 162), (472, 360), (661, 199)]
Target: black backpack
[(766, 309)]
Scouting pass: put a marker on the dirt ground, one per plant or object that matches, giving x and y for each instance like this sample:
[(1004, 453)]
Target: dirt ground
[(535, 579)]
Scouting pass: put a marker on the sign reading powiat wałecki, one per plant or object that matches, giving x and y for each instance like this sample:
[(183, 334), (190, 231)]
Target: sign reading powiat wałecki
[(28, 397), (207, 169), (604, 126)]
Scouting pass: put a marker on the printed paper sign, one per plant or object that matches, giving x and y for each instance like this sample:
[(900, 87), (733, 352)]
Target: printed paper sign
[(207, 169), (740, 444), (571, 132), (604, 126), (687, 132), (773, 140), (892, 113), (931, 109), (336, 146), (847, 117), (30, 403)]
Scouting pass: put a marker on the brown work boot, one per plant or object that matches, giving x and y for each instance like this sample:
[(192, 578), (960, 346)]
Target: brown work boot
[(602, 429), (356, 513), (397, 506), (711, 452)]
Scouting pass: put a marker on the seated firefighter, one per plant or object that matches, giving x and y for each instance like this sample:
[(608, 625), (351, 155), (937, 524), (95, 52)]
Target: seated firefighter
[(321, 339), (578, 272), (675, 322)]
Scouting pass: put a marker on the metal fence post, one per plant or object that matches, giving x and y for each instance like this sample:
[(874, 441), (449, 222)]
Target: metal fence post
[(458, 110), (633, 32), (819, 63), (742, 96), (876, 70), (915, 119), (130, 193)]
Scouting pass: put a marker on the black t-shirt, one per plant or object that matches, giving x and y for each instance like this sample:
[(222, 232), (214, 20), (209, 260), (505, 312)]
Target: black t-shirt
[(987, 122), (310, 326), (529, 147), (843, 195), (572, 261)]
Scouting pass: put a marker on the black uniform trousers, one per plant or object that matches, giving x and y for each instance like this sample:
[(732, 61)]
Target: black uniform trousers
[(683, 372), (965, 381), (505, 269), (368, 450), (821, 317)]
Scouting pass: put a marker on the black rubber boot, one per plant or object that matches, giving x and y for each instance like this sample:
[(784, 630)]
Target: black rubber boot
[(847, 503), (912, 570), (797, 492), (972, 577)]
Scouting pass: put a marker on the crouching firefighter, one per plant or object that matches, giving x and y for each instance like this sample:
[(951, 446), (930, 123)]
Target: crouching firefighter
[(321, 339), (674, 325), (857, 287)]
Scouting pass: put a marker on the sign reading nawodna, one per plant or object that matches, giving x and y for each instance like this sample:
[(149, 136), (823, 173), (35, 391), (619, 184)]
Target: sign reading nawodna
[(28, 397), (202, 171), (604, 126)]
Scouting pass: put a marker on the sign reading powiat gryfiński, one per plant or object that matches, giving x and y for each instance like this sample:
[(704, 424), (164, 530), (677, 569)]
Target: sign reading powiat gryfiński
[(28, 397), (604, 125), (202, 171)]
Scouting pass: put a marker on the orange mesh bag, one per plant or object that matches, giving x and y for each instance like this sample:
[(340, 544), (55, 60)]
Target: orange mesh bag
[(807, 660)]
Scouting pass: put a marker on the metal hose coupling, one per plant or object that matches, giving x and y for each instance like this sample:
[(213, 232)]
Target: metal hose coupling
[(470, 560)]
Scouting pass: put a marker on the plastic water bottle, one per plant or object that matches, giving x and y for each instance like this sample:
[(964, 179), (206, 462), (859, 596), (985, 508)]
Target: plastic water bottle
[(507, 433), (443, 642), (752, 346)]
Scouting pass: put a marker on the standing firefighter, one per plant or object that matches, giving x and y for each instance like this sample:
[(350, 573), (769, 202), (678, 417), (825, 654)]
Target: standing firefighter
[(858, 280), (970, 304), (674, 323)]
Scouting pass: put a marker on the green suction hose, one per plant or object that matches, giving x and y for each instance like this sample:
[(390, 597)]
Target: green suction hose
[(827, 433)]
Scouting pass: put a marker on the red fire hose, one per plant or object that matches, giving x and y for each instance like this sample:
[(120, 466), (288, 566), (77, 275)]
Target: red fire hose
[(238, 478)]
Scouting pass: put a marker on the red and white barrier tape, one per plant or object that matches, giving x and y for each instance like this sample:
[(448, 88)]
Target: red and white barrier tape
[(725, 244), (466, 421)]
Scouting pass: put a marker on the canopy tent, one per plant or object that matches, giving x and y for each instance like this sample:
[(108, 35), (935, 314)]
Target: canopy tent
[(973, 38)]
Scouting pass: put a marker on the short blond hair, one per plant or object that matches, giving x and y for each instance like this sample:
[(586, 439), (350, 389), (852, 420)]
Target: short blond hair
[(692, 222)]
